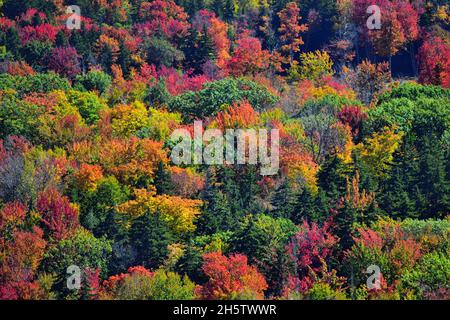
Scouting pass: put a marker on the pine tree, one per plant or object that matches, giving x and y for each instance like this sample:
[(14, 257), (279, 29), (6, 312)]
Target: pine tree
[(163, 183), (106, 58), (217, 7), (12, 42), (198, 48), (36, 20), (396, 201), (216, 214), (61, 39), (249, 189), (124, 59), (264, 30), (150, 237), (190, 263), (397, 196), (229, 10), (305, 208), (193, 6), (344, 221), (433, 183), (284, 202), (332, 178)]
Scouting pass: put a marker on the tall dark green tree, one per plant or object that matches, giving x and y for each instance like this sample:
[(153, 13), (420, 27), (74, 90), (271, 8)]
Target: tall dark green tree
[(217, 6), (150, 237), (12, 42), (106, 58), (263, 240), (190, 263), (284, 201), (216, 215), (229, 10), (332, 177), (124, 59), (397, 194), (198, 48), (433, 183), (163, 182), (305, 208)]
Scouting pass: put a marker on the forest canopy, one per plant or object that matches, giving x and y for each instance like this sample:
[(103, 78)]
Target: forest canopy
[(93, 206)]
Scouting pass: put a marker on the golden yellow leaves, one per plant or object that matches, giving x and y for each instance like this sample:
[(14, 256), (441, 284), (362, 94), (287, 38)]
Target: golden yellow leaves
[(177, 212), (377, 151)]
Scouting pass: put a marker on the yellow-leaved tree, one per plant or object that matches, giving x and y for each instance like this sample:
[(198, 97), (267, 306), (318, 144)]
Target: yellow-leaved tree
[(177, 212), (377, 151)]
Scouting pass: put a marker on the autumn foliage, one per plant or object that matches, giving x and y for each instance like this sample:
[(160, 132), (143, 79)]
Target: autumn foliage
[(230, 277), (356, 121), (435, 62), (58, 215)]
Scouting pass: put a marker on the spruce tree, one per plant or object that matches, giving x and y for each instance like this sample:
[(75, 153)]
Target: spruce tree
[(190, 263), (61, 39), (433, 182), (163, 182), (395, 200), (229, 10), (124, 59), (249, 188), (284, 202), (217, 7), (198, 48), (305, 208), (12, 42), (344, 221), (150, 237), (332, 177), (216, 214)]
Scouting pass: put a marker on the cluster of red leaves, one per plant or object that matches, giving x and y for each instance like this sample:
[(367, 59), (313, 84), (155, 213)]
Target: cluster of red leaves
[(130, 41), (42, 32), (434, 58), (399, 24), (402, 251), (369, 238), (340, 87), (58, 214), (86, 22), (12, 214), (185, 182), (6, 24), (248, 57), (240, 115), (47, 101), (111, 284), (352, 116), (163, 16), (20, 259), (177, 83), (19, 68), (30, 14), (92, 278), (147, 74), (309, 248), (228, 276), (65, 61)]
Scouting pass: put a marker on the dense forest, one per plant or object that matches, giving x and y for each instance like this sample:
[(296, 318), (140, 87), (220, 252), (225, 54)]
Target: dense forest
[(93, 207)]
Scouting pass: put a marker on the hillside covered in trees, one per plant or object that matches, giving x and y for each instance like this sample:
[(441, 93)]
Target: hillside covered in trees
[(93, 207)]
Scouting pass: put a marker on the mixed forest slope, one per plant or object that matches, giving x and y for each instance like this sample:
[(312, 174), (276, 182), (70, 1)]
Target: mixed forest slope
[(93, 207)]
